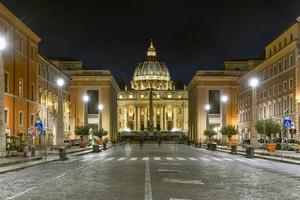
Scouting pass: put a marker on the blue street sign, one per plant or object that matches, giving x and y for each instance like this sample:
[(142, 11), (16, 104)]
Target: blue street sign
[(287, 123), (40, 127)]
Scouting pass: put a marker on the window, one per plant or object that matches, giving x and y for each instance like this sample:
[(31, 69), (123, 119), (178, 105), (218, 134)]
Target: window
[(274, 70), (274, 89), (270, 53), (260, 95), (285, 86), (292, 63), (291, 37), (93, 101), (291, 83), (285, 64), (21, 88), (279, 107), (40, 69), (265, 75), (291, 104), (274, 108), (270, 72), (6, 116), (279, 67), (21, 118), (32, 92), (279, 88), (32, 52), (269, 91), (20, 44), (5, 82), (270, 110), (285, 41), (265, 94), (279, 45), (31, 119), (214, 101)]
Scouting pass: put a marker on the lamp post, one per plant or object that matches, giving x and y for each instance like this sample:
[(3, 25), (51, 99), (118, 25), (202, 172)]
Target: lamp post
[(207, 108), (254, 83), (100, 109), (2, 115), (60, 119), (86, 98), (224, 100)]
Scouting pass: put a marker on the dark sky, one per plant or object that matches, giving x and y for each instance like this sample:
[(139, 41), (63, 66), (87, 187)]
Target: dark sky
[(189, 35)]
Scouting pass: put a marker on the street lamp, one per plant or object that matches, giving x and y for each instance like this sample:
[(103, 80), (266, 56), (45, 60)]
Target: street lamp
[(59, 122), (224, 99), (60, 82), (253, 83), (3, 44), (85, 98), (207, 108), (100, 109)]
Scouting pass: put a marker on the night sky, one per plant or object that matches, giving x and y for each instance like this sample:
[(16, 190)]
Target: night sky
[(188, 35)]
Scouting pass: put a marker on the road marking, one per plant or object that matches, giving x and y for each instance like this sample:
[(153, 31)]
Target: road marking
[(228, 159), (109, 159), (241, 160), (157, 158), (57, 177), (134, 158), (171, 180), (145, 158), (169, 170), (169, 158), (192, 158), (180, 158), (28, 190), (179, 199), (217, 159), (120, 159), (148, 189), (169, 163), (204, 159)]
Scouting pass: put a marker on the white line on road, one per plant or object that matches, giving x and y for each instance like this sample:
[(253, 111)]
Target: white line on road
[(146, 158), (179, 199), (169, 170), (28, 190), (57, 177), (109, 159), (228, 159), (169, 158), (169, 163), (171, 180), (241, 160), (120, 159), (180, 158), (217, 159), (192, 158), (134, 158), (157, 158), (148, 189), (204, 159)]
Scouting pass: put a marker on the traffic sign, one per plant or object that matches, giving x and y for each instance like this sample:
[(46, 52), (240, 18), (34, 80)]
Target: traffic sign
[(287, 122)]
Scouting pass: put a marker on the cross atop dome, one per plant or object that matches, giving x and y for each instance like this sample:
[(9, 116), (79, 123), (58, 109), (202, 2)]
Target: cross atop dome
[(151, 50)]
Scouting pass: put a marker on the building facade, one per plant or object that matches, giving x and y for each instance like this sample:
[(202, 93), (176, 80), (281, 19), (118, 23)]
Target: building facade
[(100, 87), (20, 62), (152, 103)]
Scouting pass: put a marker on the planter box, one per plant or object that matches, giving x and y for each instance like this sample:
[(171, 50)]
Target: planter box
[(271, 147)]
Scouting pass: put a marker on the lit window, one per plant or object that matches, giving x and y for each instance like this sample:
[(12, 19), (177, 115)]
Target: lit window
[(142, 96), (21, 118), (157, 96), (179, 96), (169, 96), (21, 88), (130, 96), (284, 85), (121, 97)]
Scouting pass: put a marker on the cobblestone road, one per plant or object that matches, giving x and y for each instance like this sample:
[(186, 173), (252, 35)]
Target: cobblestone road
[(166, 172)]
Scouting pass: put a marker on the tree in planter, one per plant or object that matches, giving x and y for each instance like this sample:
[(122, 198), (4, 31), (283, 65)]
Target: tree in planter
[(229, 131), (82, 131), (209, 132), (267, 127), (100, 133), (105, 143)]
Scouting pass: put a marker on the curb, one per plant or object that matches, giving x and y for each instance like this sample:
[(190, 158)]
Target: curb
[(25, 160)]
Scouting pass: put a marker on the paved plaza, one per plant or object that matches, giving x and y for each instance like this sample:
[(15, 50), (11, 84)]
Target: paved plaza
[(162, 172)]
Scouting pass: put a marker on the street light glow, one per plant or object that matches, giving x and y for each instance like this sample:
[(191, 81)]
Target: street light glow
[(2, 43), (224, 98), (60, 82), (207, 107), (100, 107), (86, 98), (253, 82)]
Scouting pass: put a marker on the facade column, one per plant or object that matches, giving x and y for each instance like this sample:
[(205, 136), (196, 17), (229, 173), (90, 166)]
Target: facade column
[(145, 117), (174, 117), (155, 117), (135, 117), (2, 120), (60, 119), (125, 119), (161, 118), (138, 118)]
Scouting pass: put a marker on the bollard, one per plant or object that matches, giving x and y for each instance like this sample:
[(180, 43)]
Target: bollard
[(249, 152), (26, 151), (32, 150), (208, 146), (199, 144), (214, 147), (62, 153), (234, 149), (96, 148)]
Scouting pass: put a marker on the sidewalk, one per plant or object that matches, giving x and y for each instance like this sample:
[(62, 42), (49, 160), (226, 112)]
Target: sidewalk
[(281, 156), (20, 162)]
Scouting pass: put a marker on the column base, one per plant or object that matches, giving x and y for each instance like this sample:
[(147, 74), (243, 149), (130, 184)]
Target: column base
[(3, 153)]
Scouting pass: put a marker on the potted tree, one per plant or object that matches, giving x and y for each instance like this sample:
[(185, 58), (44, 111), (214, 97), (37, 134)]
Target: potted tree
[(82, 131), (267, 127), (229, 131), (105, 143), (100, 133), (209, 133)]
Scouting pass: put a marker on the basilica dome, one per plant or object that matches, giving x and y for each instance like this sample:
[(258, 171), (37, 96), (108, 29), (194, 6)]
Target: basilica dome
[(151, 73)]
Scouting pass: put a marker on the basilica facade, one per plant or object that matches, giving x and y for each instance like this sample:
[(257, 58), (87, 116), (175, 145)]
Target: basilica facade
[(152, 103)]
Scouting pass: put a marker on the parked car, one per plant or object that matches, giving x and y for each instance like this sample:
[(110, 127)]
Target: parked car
[(285, 144), (262, 143), (67, 143)]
